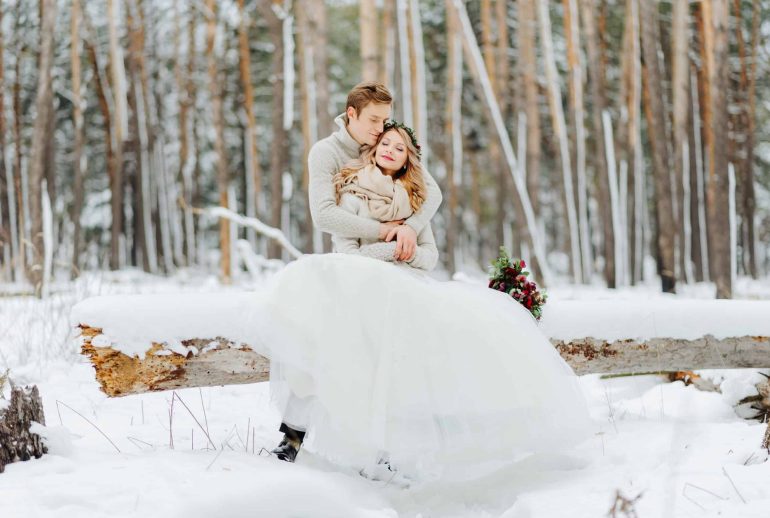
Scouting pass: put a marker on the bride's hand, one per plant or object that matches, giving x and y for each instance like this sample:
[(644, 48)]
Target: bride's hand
[(406, 242), (386, 229)]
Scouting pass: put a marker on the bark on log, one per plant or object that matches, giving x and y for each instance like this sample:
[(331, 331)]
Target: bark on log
[(225, 364), (592, 355), (17, 443), (219, 362)]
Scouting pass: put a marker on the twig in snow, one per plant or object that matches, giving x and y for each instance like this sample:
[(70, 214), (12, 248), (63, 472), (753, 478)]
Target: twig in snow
[(704, 490), (205, 417), (215, 459), (196, 420), (624, 505), (134, 440), (86, 420), (171, 422), (733, 484)]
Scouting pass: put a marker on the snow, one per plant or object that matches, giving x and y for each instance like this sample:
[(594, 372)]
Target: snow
[(684, 450), (130, 323)]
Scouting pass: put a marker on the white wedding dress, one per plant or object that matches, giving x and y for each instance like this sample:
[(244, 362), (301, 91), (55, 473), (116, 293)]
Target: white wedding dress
[(430, 375)]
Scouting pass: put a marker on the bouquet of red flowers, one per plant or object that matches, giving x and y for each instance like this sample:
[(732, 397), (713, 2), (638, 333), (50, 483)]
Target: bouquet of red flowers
[(509, 276)]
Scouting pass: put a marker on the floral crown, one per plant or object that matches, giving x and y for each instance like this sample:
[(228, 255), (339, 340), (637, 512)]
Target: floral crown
[(400, 125)]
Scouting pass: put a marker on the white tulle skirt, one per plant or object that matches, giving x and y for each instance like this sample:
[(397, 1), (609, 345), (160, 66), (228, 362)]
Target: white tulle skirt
[(431, 375)]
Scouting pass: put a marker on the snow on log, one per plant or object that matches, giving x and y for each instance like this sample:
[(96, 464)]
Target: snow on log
[(142, 343)]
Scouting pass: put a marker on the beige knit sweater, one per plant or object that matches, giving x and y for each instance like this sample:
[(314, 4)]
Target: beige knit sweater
[(374, 195), (326, 158)]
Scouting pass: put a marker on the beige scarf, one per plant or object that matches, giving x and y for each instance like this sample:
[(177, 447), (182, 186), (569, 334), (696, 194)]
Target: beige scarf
[(387, 199)]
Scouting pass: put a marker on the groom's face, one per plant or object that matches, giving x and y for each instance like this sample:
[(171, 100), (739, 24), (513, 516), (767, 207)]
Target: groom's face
[(367, 125)]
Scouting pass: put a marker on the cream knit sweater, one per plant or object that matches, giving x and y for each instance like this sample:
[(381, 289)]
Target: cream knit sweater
[(325, 159)]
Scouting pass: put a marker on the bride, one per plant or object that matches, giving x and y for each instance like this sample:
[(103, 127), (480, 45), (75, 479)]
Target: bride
[(426, 376)]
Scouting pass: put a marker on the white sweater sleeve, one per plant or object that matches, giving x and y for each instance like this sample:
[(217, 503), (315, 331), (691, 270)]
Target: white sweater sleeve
[(327, 216), (420, 219)]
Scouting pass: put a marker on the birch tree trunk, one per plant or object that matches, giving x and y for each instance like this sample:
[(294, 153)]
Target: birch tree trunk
[(43, 107), (575, 65), (560, 130), (452, 118), (143, 238), (657, 131), (476, 64), (279, 151), (219, 140), (186, 154), (305, 52), (368, 22), (489, 50), (679, 86), (715, 19), (749, 200), (18, 178), (417, 68), (78, 160), (7, 243), (120, 128), (253, 171), (528, 73)]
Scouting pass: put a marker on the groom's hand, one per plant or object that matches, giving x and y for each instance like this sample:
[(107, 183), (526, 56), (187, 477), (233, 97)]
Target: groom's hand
[(406, 242), (386, 229)]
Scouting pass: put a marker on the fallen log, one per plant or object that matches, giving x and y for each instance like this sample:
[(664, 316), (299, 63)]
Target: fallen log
[(17, 414), (593, 355), (207, 363), (721, 335)]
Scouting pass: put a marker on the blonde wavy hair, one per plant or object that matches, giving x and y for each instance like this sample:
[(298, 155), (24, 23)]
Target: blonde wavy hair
[(410, 176)]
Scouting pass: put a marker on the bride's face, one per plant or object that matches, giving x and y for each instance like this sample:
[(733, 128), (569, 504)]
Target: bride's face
[(391, 153)]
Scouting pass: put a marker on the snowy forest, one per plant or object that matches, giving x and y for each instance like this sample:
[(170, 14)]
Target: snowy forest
[(603, 140), (159, 264)]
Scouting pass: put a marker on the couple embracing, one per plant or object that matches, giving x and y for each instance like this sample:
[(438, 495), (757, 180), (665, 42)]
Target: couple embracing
[(377, 366)]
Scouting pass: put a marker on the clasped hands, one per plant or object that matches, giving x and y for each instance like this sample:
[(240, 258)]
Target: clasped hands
[(406, 239)]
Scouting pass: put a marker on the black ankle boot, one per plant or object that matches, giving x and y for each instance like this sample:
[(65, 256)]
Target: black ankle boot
[(288, 448)]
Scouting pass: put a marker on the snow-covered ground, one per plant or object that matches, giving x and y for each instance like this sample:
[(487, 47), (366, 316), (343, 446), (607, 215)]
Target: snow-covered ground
[(201, 452)]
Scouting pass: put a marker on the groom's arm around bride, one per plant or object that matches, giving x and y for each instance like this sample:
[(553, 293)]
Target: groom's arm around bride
[(368, 108)]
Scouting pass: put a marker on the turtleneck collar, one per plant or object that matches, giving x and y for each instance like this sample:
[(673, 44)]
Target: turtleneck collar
[(344, 137)]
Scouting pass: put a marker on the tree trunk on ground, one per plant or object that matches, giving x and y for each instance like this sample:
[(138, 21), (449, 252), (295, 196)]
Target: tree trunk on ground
[(43, 107), (17, 443), (225, 364), (219, 142), (657, 131), (369, 21), (715, 16)]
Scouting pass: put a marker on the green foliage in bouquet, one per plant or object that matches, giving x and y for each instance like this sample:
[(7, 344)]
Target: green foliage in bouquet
[(509, 276)]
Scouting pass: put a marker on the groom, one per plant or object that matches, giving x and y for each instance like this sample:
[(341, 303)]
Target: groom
[(368, 108)]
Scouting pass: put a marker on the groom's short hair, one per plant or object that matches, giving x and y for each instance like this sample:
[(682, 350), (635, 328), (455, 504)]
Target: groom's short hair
[(368, 92)]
